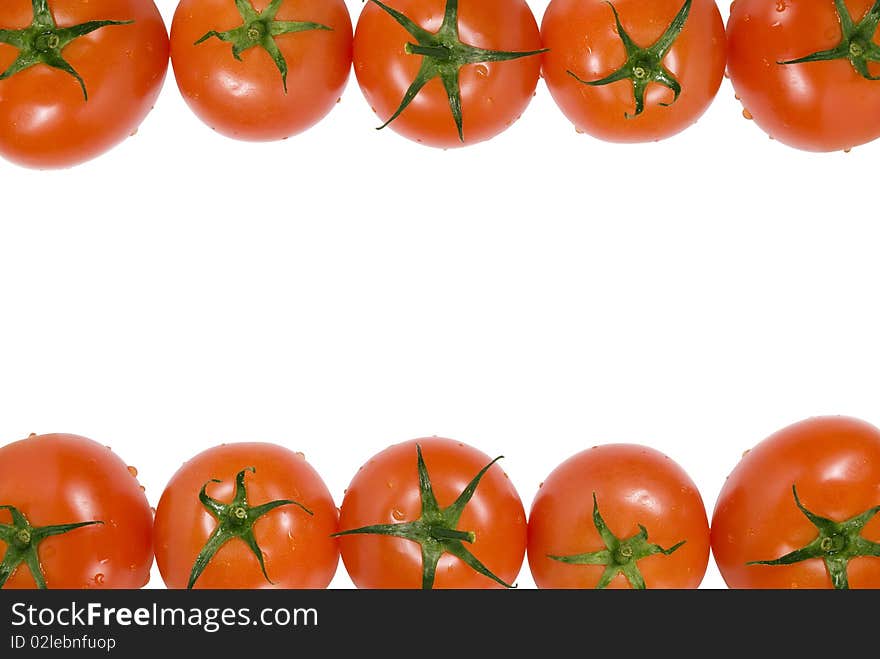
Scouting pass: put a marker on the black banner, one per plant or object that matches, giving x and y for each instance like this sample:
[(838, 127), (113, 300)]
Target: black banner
[(414, 623)]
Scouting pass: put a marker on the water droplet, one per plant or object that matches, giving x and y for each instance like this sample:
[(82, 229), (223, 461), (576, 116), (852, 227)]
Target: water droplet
[(300, 454), (153, 510), (143, 489), (746, 452), (398, 515), (482, 70), (540, 485), (33, 434), (133, 471), (390, 485), (104, 561), (99, 578), (781, 5), (848, 150), (747, 114)]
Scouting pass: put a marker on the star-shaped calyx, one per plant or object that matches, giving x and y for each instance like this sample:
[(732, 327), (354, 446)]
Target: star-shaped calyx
[(261, 29), (436, 530), (837, 544), (42, 42), (23, 542), (645, 65), (443, 55), (857, 43), (619, 556), (235, 519)]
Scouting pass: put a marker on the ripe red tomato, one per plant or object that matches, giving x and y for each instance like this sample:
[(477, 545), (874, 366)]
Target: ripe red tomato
[(72, 515), (619, 82), (618, 516), (456, 75), (77, 77), (779, 520), (432, 513), (247, 515), (802, 70), (261, 70)]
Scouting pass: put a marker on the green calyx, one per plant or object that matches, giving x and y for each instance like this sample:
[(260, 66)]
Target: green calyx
[(645, 65), (235, 519), (23, 542), (42, 42), (837, 544), (619, 556), (857, 42), (261, 29), (436, 530), (443, 55)]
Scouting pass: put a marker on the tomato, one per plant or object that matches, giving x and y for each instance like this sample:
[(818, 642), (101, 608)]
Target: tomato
[(799, 510), (803, 70), (78, 77), (432, 513), (248, 515), (633, 71), (72, 515), (261, 70), (618, 516), (454, 75)]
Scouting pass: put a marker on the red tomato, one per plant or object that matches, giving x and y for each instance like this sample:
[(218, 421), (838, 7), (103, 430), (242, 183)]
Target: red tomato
[(638, 102), (648, 507), (52, 116), (471, 540), (792, 492), (295, 57), (460, 103), (262, 504), (824, 105), (73, 505)]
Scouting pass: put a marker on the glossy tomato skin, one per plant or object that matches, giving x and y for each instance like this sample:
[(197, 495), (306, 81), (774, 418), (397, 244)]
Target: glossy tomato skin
[(44, 120), (816, 106), (494, 94), (64, 479), (246, 99), (633, 485), (581, 37), (835, 464), (386, 491), (298, 548)]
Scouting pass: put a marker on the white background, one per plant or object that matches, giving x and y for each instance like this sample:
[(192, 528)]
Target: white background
[(347, 289)]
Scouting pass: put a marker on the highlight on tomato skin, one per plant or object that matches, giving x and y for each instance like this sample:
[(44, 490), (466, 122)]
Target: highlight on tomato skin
[(246, 516), (805, 70), (264, 69), (432, 513), (86, 82), (800, 510), (72, 516), (618, 516), (469, 72), (646, 78)]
